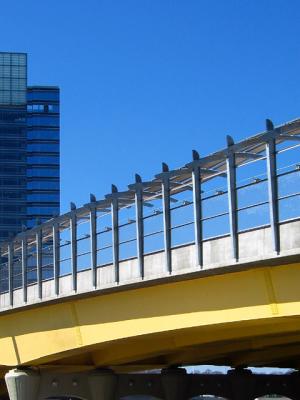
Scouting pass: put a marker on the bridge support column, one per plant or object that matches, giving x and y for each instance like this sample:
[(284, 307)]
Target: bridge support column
[(103, 384), (174, 383), (22, 384), (242, 384)]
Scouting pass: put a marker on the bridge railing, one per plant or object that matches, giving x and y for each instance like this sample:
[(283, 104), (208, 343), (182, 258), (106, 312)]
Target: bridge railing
[(247, 185)]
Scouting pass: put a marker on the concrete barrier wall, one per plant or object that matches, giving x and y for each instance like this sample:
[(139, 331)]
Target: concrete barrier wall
[(254, 246)]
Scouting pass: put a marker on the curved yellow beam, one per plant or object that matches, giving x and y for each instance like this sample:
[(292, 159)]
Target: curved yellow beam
[(116, 327)]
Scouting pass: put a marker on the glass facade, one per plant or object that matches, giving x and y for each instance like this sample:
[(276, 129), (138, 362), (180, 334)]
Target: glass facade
[(13, 137), (13, 78), (42, 154), (29, 148)]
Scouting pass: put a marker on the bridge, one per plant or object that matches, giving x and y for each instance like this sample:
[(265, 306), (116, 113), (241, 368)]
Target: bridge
[(198, 266)]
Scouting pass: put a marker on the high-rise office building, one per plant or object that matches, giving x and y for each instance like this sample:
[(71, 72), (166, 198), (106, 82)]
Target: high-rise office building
[(29, 148), (42, 153)]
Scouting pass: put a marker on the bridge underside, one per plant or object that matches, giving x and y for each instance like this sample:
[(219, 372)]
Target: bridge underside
[(246, 318)]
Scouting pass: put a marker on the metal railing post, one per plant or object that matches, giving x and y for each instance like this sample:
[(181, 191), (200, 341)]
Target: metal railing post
[(138, 188), (93, 242), (272, 188), (165, 182), (73, 231), (55, 235), (24, 268), (10, 257), (38, 239), (115, 233), (196, 179), (232, 198), (139, 224)]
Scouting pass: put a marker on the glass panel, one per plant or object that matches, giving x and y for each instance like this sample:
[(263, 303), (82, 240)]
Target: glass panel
[(288, 184), (252, 194), (182, 235), (215, 205), (128, 250), (65, 252), (83, 260), (154, 243), (251, 170), (104, 256), (254, 216), (182, 215), (289, 208), (288, 159), (153, 223), (31, 262), (213, 186), (3, 275), (215, 227), (83, 246), (104, 238), (47, 258), (127, 232), (17, 268)]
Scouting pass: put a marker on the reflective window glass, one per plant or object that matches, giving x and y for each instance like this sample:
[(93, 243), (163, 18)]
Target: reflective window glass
[(43, 160), (43, 172), (43, 147), (43, 120), (42, 210), (43, 185), (36, 95), (40, 134), (43, 197)]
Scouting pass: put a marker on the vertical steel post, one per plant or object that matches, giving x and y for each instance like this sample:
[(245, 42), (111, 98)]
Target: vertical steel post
[(165, 181), (115, 237), (55, 244), (38, 242), (273, 192), (93, 242), (139, 223), (196, 179), (24, 268), (73, 232), (272, 187), (232, 199), (10, 254)]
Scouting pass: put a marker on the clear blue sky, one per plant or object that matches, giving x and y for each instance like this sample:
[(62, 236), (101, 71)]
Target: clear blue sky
[(146, 81)]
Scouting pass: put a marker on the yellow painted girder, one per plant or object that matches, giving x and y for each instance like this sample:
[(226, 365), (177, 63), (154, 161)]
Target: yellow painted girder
[(116, 327)]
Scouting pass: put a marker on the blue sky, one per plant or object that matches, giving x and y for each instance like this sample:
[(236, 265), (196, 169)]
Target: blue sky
[(147, 81)]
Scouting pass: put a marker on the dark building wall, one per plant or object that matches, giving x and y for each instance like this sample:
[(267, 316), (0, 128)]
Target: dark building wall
[(13, 128), (43, 192), (29, 148)]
